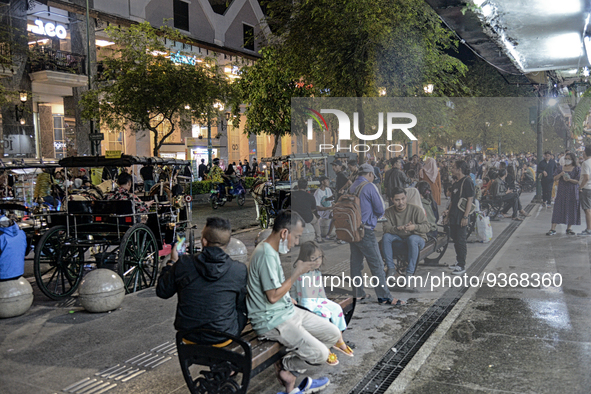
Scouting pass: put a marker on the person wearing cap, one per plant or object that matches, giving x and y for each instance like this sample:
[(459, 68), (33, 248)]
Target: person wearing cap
[(372, 207), (216, 174)]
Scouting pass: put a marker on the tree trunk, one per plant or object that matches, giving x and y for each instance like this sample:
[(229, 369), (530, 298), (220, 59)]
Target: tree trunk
[(277, 139)]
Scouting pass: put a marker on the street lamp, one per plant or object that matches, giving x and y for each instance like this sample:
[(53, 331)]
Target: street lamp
[(19, 109), (219, 106)]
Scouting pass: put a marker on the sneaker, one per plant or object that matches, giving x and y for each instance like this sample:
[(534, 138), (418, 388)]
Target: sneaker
[(585, 232), (453, 267), (309, 385), (330, 237), (341, 242), (458, 270), (551, 232)]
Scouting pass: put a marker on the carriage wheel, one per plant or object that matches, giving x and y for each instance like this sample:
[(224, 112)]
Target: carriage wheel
[(264, 218), (57, 266), (138, 258), (241, 199)]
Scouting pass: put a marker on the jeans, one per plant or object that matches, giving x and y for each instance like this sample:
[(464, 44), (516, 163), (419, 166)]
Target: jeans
[(148, 185), (309, 335), (412, 244), (368, 248), (458, 234), (547, 191)]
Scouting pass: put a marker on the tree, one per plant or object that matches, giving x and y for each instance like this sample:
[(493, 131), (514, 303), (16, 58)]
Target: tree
[(354, 48), (143, 88), (266, 88)]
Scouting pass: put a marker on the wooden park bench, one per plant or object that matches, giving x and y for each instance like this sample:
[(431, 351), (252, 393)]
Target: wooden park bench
[(231, 367)]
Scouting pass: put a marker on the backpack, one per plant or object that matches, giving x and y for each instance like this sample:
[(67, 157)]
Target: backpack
[(347, 216)]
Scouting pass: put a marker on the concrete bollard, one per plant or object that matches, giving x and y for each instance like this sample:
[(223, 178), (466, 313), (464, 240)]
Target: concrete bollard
[(16, 297), (237, 250), (262, 236), (101, 290), (308, 234)]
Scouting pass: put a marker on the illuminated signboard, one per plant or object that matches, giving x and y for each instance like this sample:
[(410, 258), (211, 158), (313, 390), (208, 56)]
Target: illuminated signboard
[(184, 59), (48, 29)]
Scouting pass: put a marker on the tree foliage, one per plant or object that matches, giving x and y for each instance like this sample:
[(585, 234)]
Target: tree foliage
[(142, 88), (266, 88), (355, 48)]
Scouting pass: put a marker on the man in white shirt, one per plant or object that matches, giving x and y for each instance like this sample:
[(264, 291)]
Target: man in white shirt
[(324, 199), (585, 189)]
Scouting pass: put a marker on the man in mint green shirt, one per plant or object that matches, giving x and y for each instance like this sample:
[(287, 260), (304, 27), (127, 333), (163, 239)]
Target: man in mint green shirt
[(273, 315)]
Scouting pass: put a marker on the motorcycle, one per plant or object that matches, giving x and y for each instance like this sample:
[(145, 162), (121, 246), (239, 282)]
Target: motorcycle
[(218, 196)]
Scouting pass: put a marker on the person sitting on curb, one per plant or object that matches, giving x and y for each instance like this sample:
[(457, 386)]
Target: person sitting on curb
[(511, 199), (405, 229), (273, 315), (211, 287)]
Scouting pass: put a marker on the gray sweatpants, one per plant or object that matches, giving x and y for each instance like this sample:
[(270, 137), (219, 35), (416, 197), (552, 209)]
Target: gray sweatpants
[(307, 336)]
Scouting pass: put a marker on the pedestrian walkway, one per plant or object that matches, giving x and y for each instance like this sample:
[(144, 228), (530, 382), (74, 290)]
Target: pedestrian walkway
[(495, 339)]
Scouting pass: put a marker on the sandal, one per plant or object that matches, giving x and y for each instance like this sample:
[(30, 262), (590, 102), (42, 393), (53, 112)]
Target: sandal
[(389, 301), (365, 298), (347, 352), (332, 359), (570, 232), (551, 232)]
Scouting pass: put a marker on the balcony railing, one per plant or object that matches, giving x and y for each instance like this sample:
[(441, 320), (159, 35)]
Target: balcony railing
[(43, 58)]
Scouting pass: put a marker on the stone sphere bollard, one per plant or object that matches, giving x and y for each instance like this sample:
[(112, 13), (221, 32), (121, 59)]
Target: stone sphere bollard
[(262, 236), (16, 297), (101, 290), (237, 250), (308, 234)]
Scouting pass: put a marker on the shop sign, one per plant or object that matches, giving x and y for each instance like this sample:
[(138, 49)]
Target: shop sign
[(49, 29), (113, 154), (178, 58)]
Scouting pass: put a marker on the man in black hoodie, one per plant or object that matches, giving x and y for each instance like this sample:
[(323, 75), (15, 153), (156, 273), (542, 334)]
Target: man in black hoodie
[(211, 286)]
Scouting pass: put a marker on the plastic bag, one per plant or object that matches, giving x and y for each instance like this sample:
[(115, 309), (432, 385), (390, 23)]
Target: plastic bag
[(483, 228)]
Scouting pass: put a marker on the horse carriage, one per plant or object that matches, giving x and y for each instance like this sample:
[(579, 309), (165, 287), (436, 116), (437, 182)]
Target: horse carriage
[(272, 193), (93, 231)]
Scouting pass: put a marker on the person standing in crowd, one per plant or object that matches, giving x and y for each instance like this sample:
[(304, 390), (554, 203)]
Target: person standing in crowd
[(246, 168), (273, 315), (202, 170), (445, 176), (546, 170), (395, 178), (415, 165), (341, 180), (457, 218), (324, 199), (304, 204), (147, 173), (430, 174), (255, 167), (210, 286), (353, 174), (566, 206), (372, 207), (585, 189)]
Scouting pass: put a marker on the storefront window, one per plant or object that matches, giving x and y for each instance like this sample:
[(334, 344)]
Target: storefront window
[(59, 137)]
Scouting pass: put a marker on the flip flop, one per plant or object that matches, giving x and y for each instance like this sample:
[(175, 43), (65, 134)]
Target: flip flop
[(364, 299), (348, 352), (332, 359)]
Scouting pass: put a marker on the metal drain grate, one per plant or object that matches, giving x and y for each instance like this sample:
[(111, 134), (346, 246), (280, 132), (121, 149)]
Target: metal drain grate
[(387, 369), (124, 372)]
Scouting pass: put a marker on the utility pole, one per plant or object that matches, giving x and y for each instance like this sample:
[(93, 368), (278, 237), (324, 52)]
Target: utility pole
[(540, 146)]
